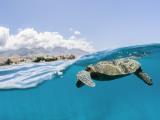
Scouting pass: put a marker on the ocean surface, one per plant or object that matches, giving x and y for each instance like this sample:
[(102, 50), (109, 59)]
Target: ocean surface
[(47, 91)]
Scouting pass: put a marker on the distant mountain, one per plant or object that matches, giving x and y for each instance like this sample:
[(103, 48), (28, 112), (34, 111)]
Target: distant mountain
[(42, 51)]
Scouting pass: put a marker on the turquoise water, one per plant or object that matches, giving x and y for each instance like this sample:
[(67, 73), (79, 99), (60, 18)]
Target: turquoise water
[(126, 98)]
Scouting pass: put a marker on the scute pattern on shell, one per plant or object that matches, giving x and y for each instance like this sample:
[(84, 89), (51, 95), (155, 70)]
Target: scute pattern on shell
[(117, 67)]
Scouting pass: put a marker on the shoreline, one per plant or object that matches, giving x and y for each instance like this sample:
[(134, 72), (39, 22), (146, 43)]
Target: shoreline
[(16, 60)]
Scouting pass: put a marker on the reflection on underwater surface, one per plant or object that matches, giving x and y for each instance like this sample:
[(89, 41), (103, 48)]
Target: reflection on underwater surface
[(59, 99)]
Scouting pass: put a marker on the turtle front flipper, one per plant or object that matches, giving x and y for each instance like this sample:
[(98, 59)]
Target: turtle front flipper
[(83, 77), (144, 76)]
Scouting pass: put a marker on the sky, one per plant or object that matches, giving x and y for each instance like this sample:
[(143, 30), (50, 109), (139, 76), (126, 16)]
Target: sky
[(103, 24)]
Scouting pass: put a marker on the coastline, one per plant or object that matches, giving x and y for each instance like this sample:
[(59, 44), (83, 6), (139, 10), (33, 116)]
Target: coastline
[(13, 60)]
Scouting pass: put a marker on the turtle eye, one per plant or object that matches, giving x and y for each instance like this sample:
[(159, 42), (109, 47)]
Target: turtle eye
[(88, 69)]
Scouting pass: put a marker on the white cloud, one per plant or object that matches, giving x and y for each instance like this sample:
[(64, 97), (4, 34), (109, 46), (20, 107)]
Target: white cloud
[(30, 38), (77, 32)]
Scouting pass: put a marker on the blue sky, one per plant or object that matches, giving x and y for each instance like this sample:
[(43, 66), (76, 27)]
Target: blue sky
[(107, 23)]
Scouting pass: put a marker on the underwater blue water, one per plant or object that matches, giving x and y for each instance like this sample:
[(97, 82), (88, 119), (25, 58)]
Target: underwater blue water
[(127, 98)]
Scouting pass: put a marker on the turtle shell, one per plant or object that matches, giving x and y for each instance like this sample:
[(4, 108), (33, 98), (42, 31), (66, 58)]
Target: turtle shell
[(116, 67)]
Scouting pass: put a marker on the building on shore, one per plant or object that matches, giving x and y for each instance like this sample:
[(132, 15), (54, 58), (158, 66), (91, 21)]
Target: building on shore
[(28, 59)]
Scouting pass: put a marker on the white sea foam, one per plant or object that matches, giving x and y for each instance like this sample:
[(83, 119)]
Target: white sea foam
[(30, 75)]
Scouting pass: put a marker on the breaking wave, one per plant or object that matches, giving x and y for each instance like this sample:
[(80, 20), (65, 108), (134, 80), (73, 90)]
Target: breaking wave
[(30, 75)]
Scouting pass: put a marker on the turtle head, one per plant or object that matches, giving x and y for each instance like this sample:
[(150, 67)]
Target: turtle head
[(90, 68), (84, 78)]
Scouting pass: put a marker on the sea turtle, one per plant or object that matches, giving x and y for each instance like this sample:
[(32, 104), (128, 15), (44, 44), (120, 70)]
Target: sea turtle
[(111, 69)]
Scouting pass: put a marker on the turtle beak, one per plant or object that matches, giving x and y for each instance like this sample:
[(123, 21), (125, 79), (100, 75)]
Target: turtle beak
[(89, 68), (79, 84)]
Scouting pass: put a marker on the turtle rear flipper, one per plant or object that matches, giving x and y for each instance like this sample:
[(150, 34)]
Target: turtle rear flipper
[(84, 77), (144, 76)]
